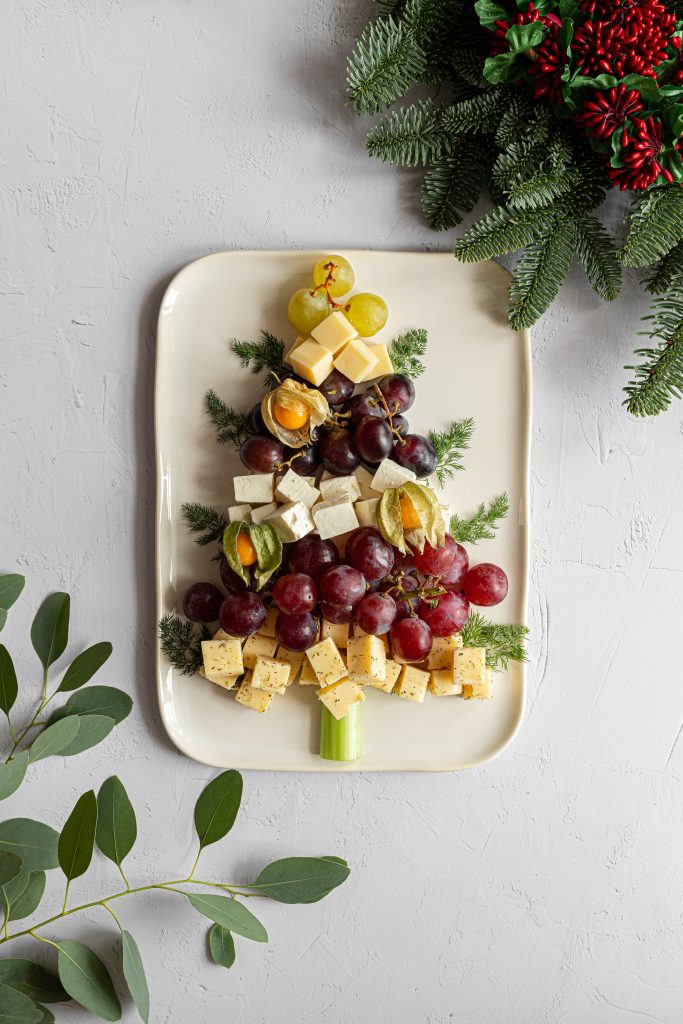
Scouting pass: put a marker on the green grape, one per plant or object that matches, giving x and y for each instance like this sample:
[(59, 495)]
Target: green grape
[(305, 311), (343, 279), (368, 313)]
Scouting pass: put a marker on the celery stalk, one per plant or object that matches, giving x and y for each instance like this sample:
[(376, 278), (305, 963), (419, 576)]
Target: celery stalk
[(340, 739)]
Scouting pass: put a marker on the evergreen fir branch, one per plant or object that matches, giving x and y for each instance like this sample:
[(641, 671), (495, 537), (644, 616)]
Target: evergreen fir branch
[(663, 275), (539, 273), (266, 354), (590, 189), (658, 378), (385, 63), (469, 66), (453, 185), (542, 189), (515, 120), (231, 426), (205, 521), (502, 231), (503, 643), (477, 115), (450, 445), (483, 524), (655, 227), (410, 136), (405, 352), (521, 160), (597, 255), (181, 642)]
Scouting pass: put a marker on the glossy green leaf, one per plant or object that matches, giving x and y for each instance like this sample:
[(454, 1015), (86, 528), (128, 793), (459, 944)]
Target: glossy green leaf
[(29, 899), (31, 979), (83, 668), (11, 586), (117, 828), (12, 774), (50, 629), (87, 980), (16, 1008), (48, 1016), (134, 973), (217, 807), (8, 680), (33, 841), (97, 700), (300, 879), (54, 739), (3, 618), (92, 729), (222, 946), (229, 913), (10, 893), (77, 839), (10, 866)]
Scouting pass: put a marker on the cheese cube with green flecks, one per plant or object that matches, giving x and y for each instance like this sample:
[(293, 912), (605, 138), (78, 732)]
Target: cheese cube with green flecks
[(270, 675), (469, 666), (220, 634), (480, 691), (357, 631), (257, 700), (294, 659), (442, 683), (223, 679), (366, 659), (393, 672), (412, 684), (337, 631), (307, 676), (256, 645), (340, 697), (327, 662), (268, 625), (441, 654), (222, 656)]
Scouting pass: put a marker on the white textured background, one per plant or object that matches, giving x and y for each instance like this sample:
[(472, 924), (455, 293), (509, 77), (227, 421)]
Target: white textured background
[(140, 134)]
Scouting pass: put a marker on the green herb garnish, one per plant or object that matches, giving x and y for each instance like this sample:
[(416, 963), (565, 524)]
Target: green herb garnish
[(181, 642), (405, 352), (503, 643), (266, 354), (449, 445), (205, 521), (231, 426), (483, 524)]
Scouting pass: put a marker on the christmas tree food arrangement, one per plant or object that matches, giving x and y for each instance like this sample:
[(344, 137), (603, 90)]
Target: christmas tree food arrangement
[(551, 104), (342, 566)]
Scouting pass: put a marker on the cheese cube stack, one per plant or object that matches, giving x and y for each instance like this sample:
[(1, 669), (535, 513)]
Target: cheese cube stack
[(480, 691), (412, 684), (294, 659), (367, 659), (327, 662), (357, 361), (334, 332), (311, 361), (307, 676), (340, 697), (270, 675), (393, 672), (441, 654), (255, 646), (442, 683)]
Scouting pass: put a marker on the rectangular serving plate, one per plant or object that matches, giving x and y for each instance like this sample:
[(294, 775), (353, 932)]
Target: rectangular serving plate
[(476, 366)]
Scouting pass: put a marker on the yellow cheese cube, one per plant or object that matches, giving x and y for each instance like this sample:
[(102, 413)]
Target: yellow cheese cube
[(393, 671), (327, 662), (469, 664), (384, 365), (367, 658), (307, 676), (441, 654), (270, 675), (312, 362), (480, 691), (268, 627), (442, 683), (257, 700), (334, 332), (294, 659), (356, 361), (222, 656), (340, 697), (337, 631), (357, 631), (255, 645), (222, 679), (220, 634), (288, 358), (412, 684)]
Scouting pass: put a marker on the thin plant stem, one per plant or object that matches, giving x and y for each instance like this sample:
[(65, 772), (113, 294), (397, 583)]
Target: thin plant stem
[(66, 896)]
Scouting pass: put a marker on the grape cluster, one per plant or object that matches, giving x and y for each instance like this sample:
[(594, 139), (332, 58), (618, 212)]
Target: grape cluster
[(333, 277)]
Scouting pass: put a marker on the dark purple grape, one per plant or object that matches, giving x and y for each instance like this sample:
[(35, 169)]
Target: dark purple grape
[(262, 454), (306, 463), (364, 405), (337, 388), (338, 454), (256, 422), (486, 584), (436, 561), (404, 563), (398, 391), (242, 614), (296, 632), (376, 613), (417, 453), (445, 615), (411, 639), (295, 592), (202, 602), (400, 423), (337, 613), (342, 584), (311, 555), (373, 439), (233, 583), (368, 552)]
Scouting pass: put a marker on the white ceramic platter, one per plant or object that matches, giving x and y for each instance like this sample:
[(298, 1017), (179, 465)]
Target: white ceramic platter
[(476, 366)]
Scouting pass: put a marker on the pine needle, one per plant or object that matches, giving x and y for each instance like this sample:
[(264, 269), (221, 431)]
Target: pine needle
[(205, 521), (450, 445), (503, 643), (405, 352), (266, 354), (597, 255), (231, 426), (483, 524), (181, 642)]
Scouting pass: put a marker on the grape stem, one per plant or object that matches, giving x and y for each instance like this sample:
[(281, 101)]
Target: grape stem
[(327, 284), (390, 415), (286, 465)]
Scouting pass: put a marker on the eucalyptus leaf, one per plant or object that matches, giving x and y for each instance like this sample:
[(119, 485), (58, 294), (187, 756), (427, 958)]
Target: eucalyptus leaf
[(10, 866), (217, 807), (8, 681), (87, 980), (30, 897), (3, 618), (33, 841), (77, 839), (50, 629), (48, 1016), (117, 828), (92, 729), (229, 913), (83, 668), (54, 739), (31, 979), (11, 586), (222, 946), (134, 973), (97, 700), (301, 879), (13, 890), (16, 1008), (12, 774)]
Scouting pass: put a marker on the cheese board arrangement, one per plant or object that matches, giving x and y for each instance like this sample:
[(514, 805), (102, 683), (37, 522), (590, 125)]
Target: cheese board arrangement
[(344, 568)]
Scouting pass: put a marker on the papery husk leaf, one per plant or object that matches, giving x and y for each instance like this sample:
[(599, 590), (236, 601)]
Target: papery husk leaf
[(286, 394), (389, 518), (230, 535), (426, 505), (268, 547)]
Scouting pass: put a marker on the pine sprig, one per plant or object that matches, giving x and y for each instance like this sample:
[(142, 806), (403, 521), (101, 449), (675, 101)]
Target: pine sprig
[(452, 186), (231, 426), (386, 61), (663, 275), (501, 231), (538, 275), (450, 445), (597, 255), (658, 378), (483, 524), (655, 227), (181, 642), (405, 352), (207, 522), (407, 137), (503, 643), (266, 354)]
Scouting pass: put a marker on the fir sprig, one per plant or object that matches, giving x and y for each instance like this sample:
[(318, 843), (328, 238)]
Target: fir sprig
[(207, 522), (266, 354), (450, 445), (503, 643), (232, 427), (405, 352), (181, 642), (658, 378), (483, 524)]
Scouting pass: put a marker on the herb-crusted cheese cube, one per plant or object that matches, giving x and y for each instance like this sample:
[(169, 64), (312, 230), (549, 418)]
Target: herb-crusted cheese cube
[(292, 521), (441, 654), (412, 684), (270, 675), (263, 512), (390, 474), (222, 656), (367, 511), (469, 666), (256, 645), (327, 662), (367, 658), (257, 700), (340, 697), (239, 514), (340, 488), (293, 488), (294, 659), (307, 676), (333, 518), (334, 332), (255, 489), (220, 634), (364, 479), (357, 631), (268, 625), (288, 357), (442, 683), (480, 691), (384, 365), (222, 679), (356, 361), (312, 362), (336, 631), (393, 672)]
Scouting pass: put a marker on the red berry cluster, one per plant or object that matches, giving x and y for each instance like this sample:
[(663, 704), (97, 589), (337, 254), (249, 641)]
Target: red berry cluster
[(623, 37)]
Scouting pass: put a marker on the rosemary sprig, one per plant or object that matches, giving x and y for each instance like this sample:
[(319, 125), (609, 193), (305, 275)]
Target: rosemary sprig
[(483, 524), (266, 354), (181, 642), (449, 445), (503, 643), (231, 426), (405, 351), (205, 521)]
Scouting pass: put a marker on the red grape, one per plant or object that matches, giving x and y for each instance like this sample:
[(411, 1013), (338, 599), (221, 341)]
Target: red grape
[(202, 602), (295, 592), (404, 605), (297, 632), (337, 388), (262, 454), (453, 577), (400, 423), (373, 439), (362, 406), (376, 613), (311, 555), (233, 583), (307, 459), (449, 615), (485, 584), (417, 453), (337, 613), (338, 454), (436, 561), (367, 551), (342, 584), (242, 614), (412, 639), (398, 391)]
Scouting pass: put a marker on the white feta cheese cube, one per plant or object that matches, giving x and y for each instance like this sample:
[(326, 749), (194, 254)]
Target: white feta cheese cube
[(364, 479), (239, 514), (262, 513), (255, 489), (334, 517), (390, 474), (340, 487), (292, 521), (292, 488), (367, 511)]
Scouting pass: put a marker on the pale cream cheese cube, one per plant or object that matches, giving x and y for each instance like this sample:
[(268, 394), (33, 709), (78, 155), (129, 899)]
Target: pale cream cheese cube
[(222, 679), (357, 631), (327, 662), (390, 474), (307, 676), (386, 686), (312, 362), (294, 659), (288, 357), (479, 690), (469, 666), (441, 654), (239, 514), (339, 488), (356, 361), (222, 656), (367, 511), (270, 675), (337, 631), (364, 479), (268, 626), (256, 645), (263, 512), (340, 697), (254, 489), (384, 365), (292, 521), (333, 518), (257, 700), (412, 684), (442, 683), (293, 488)]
